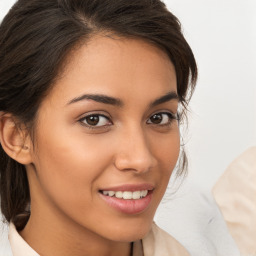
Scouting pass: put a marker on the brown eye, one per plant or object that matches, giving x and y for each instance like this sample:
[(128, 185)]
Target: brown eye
[(95, 120), (156, 119), (161, 118), (92, 120)]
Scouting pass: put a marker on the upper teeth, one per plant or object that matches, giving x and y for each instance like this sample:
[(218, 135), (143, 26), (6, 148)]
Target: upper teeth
[(126, 194)]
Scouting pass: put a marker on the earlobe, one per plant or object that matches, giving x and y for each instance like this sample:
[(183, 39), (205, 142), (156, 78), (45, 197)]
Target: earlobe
[(15, 141)]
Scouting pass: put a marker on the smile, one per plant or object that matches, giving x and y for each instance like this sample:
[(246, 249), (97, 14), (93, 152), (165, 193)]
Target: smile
[(135, 195), (128, 199)]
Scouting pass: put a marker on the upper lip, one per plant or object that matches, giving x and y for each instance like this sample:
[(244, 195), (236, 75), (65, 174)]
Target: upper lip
[(129, 187)]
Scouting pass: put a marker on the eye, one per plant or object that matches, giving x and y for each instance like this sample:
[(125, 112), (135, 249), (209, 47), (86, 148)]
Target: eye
[(162, 118), (95, 120)]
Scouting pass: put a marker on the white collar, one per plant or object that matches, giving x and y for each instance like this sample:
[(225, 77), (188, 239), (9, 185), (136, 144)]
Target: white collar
[(18, 244)]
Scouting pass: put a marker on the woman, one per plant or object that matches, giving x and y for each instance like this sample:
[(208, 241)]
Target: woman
[(90, 92)]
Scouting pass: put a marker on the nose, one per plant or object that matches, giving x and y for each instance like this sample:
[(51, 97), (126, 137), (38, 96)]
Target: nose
[(134, 152)]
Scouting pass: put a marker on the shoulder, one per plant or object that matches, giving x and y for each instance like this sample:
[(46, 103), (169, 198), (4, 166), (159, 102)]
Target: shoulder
[(235, 195), (238, 185), (159, 242), (242, 169)]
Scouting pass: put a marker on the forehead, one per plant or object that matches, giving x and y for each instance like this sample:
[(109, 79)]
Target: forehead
[(118, 67)]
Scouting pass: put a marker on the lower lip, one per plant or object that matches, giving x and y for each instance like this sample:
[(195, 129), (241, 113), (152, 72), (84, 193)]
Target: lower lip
[(130, 206)]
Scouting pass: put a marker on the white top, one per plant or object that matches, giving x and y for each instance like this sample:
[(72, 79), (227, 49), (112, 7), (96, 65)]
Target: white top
[(156, 243)]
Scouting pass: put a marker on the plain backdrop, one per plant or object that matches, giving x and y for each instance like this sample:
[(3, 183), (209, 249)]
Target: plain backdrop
[(222, 34), (222, 119)]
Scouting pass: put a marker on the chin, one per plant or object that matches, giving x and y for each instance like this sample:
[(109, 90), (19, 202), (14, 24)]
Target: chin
[(130, 232), (130, 236)]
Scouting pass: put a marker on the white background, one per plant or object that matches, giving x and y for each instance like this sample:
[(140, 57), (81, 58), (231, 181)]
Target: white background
[(222, 34)]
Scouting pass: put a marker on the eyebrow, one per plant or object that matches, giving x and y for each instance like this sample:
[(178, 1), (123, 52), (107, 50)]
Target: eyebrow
[(165, 98), (101, 98), (98, 98)]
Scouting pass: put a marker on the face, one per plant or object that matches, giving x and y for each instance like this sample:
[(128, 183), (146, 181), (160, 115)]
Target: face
[(107, 139)]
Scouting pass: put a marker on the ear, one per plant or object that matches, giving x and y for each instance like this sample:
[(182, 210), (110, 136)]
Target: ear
[(15, 140)]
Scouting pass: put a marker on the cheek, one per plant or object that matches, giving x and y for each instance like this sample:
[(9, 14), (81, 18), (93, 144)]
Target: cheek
[(166, 149), (68, 165)]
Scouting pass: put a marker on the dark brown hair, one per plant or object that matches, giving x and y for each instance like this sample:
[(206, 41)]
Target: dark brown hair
[(36, 37)]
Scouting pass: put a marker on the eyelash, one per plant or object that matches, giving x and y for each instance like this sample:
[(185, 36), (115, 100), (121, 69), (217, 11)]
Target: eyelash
[(171, 118)]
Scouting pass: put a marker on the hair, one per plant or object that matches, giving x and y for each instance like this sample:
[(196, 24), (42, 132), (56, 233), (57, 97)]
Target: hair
[(36, 38)]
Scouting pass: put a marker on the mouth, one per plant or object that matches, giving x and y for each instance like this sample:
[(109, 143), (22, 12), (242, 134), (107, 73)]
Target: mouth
[(129, 199), (126, 195)]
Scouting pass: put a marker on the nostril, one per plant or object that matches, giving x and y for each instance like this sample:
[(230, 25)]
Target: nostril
[(134, 164)]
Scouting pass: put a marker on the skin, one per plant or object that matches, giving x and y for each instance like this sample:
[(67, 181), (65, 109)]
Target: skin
[(71, 162)]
